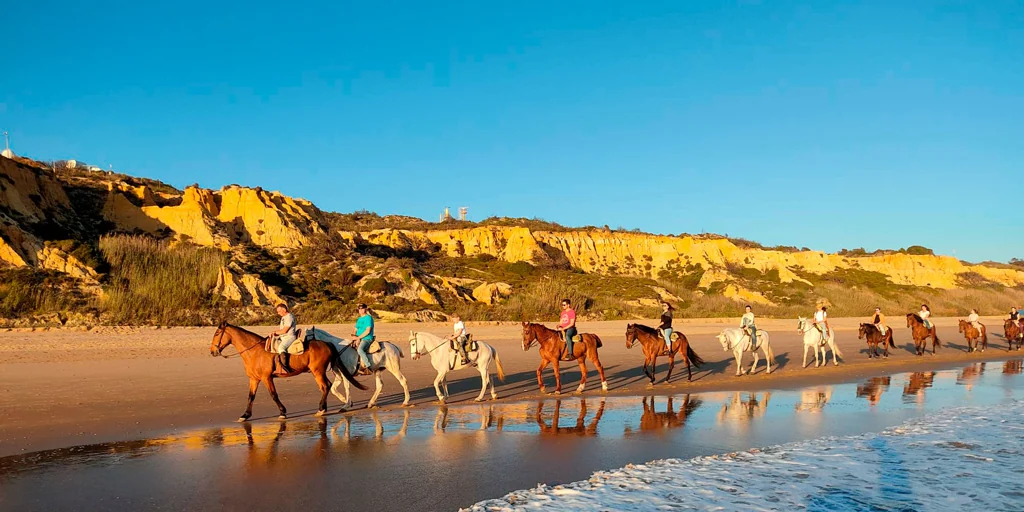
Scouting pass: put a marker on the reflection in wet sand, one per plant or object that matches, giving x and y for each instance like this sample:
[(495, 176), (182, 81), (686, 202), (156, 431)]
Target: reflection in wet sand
[(670, 418), (968, 375), (873, 388), (580, 428), (917, 382), (738, 412), (814, 399), (1013, 367)]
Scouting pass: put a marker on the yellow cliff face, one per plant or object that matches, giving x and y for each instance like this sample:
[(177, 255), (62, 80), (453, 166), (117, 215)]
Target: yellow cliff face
[(647, 255), (223, 218)]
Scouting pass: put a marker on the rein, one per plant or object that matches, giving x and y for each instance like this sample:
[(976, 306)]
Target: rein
[(220, 338), (439, 345)]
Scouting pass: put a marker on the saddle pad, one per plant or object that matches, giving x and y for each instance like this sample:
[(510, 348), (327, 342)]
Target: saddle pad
[(674, 336), (471, 345), (577, 338), (297, 347), (375, 346)]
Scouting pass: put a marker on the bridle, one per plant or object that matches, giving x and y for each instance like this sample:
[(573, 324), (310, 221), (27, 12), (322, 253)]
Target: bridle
[(531, 342), (416, 342), (220, 350)]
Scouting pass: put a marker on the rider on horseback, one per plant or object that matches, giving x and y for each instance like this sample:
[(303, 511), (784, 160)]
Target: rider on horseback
[(666, 324), (924, 314), (363, 332), (821, 322), (879, 321), (974, 320), (747, 324), (286, 334), (567, 325), (461, 337)]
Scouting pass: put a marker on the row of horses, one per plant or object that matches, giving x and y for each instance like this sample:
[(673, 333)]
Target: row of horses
[(329, 354)]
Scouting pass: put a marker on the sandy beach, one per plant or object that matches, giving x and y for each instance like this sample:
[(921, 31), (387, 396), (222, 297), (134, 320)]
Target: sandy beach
[(69, 387)]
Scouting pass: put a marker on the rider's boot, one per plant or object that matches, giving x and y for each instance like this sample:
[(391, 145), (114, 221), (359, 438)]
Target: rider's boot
[(462, 352), (282, 360)]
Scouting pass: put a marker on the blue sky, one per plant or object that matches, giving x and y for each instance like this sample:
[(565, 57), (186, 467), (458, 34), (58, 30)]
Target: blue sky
[(874, 124)]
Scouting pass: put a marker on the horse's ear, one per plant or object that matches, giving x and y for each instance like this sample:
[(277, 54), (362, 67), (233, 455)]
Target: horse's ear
[(525, 324), (223, 323)]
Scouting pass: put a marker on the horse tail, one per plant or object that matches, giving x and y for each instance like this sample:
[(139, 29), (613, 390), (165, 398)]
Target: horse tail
[(695, 360), (598, 338), (935, 337), (336, 364), (497, 363), (892, 342)]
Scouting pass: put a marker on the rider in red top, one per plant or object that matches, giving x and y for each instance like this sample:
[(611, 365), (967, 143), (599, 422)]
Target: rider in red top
[(567, 324)]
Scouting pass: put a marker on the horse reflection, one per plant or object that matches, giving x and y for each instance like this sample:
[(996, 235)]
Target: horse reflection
[(668, 419), (581, 428), (913, 390), (1013, 367), (814, 400), (483, 417), (968, 375), (348, 430), (873, 388), (736, 411)]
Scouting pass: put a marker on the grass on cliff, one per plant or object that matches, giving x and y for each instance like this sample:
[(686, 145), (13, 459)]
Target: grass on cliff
[(154, 282), (27, 292)]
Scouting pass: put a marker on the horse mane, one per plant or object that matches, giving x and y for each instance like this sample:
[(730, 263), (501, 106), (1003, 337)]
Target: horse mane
[(244, 331), (646, 329), (916, 317), (531, 325)]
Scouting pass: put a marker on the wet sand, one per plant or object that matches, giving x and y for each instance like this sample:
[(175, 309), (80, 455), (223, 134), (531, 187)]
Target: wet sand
[(67, 388), (442, 458)]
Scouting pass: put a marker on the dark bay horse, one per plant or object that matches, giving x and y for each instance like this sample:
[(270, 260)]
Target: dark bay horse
[(921, 334), (552, 349), (973, 337), (874, 337), (1012, 331), (261, 366), (653, 345)]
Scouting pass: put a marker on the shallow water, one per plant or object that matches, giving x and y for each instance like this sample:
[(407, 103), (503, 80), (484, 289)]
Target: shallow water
[(441, 458)]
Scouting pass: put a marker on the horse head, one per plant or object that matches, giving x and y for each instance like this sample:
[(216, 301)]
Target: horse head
[(723, 338), (862, 331), (414, 346), (800, 323), (218, 343), (529, 336), (630, 335), (909, 321), (961, 325)]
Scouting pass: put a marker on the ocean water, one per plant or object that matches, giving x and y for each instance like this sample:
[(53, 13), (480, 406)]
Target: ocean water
[(966, 458)]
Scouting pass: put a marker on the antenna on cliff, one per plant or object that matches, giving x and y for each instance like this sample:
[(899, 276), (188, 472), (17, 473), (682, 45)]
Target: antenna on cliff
[(462, 212), (7, 146)]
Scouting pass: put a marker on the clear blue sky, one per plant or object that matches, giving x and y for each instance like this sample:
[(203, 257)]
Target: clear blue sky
[(874, 124)]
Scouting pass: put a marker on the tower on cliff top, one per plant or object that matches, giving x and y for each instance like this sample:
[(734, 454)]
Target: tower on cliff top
[(462, 212), (7, 153)]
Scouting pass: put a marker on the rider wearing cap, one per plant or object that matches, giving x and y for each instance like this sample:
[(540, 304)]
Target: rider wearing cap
[(821, 322)]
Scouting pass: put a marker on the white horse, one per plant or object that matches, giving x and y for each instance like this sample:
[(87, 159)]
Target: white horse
[(444, 360), (736, 340), (813, 340), (388, 358)]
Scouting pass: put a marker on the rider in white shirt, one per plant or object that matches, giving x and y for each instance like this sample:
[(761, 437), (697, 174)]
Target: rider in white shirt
[(461, 336), (821, 322), (286, 334), (974, 320), (924, 314), (747, 324)]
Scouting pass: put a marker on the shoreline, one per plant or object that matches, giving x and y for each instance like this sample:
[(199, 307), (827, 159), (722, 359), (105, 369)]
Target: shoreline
[(71, 388)]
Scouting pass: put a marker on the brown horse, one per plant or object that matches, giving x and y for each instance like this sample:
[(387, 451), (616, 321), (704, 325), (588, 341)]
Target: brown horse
[(661, 422), (1012, 331), (261, 366), (653, 345), (922, 333), (874, 337), (972, 336), (552, 349)]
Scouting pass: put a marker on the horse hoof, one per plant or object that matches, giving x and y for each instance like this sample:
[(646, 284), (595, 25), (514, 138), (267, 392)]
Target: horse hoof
[(557, 392), (478, 399), (321, 413), (282, 416), (408, 405), (243, 419), (604, 387)]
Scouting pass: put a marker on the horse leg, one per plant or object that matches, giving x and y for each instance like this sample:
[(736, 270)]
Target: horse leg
[(253, 386), (805, 356), (654, 366), (739, 362), (484, 377), (540, 379), (321, 381), (376, 392), (397, 372), (600, 370), (753, 367), (272, 388), (437, 386), (339, 379), (558, 377), (583, 374), (672, 364)]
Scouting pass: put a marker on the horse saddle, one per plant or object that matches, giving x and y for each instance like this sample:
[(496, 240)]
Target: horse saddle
[(575, 339), (471, 344), (375, 346), (674, 337), (297, 347)]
